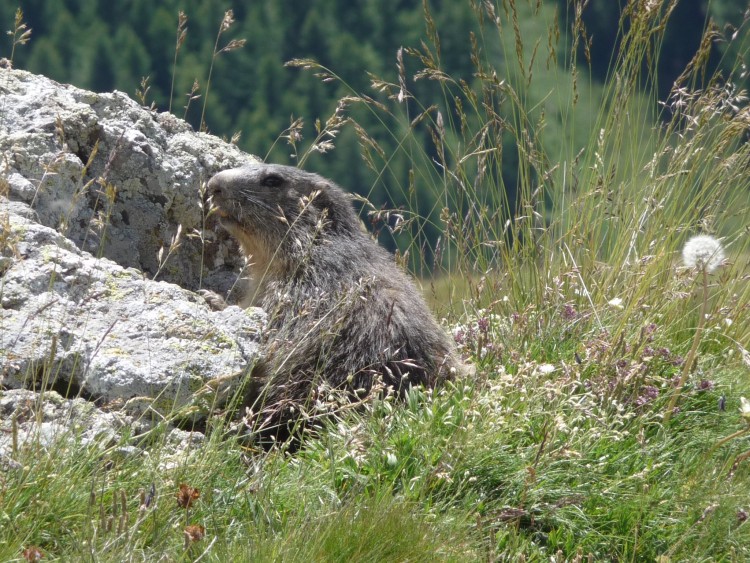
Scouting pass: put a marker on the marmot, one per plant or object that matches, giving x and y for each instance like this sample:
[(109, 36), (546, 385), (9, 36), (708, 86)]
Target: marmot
[(340, 310)]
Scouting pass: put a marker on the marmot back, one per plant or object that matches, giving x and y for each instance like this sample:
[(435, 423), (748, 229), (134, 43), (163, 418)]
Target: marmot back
[(341, 311)]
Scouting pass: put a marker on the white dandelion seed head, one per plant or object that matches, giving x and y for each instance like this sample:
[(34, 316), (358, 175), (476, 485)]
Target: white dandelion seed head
[(703, 251)]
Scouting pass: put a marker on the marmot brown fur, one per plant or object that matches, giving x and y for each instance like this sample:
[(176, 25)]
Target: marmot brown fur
[(340, 310)]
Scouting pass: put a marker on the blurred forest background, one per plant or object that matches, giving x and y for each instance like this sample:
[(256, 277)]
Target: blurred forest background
[(104, 45)]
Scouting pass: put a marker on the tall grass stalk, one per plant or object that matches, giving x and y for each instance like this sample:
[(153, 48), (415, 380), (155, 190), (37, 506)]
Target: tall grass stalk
[(181, 35), (20, 35), (234, 44)]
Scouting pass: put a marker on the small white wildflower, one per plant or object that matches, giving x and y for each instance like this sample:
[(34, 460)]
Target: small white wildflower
[(745, 355), (444, 475), (561, 424), (703, 251), (728, 321), (459, 330), (616, 302), (391, 459), (545, 369), (745, 409)]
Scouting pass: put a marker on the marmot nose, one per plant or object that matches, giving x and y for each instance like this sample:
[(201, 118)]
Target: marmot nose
[(221, 183), (214, 185)]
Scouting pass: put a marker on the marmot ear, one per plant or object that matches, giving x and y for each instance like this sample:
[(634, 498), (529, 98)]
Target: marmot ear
[(325, 202), (322, 198), (338, 207)]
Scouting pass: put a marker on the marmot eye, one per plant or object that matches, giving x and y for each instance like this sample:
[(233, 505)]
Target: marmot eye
[(272, 181)]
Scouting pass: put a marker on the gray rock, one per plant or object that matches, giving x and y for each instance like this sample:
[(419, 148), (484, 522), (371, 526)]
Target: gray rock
[(116, 178), (85, 325), (92, 186), (32, 424), (41, 420)]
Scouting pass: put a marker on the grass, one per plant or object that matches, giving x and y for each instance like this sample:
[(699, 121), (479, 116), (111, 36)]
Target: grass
[(527, 463), (571, 301)]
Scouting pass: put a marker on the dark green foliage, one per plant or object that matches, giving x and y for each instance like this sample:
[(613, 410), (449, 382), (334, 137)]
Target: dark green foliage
[(681, 39)]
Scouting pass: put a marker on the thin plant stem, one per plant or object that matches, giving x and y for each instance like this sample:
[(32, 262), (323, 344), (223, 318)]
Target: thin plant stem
[(181, 34), (226, 23), (726, 439), (222, 27), (686, 368)]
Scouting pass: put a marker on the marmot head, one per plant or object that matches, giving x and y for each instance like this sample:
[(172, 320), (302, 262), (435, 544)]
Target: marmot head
[(270, 208)]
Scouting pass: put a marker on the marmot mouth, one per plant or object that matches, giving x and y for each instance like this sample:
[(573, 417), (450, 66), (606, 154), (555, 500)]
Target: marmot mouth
[(226, 219), (214, 207)]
